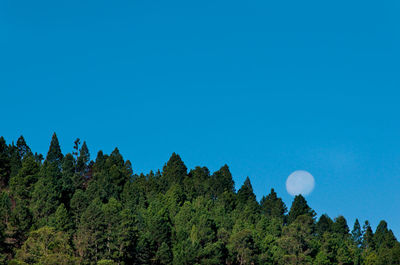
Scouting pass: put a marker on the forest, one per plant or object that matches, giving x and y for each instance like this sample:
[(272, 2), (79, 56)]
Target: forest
[(69, 209)]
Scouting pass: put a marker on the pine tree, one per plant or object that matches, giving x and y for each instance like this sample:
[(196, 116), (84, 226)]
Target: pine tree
[(222, 181), (23, 148), (54, 154), (356, 233), (175, 170), (323, 225), (368, 236), (83, 159), (340, 226), (299, 207), (383, 237), (62, 220), (5, 167), (272, 206), (246, 193)]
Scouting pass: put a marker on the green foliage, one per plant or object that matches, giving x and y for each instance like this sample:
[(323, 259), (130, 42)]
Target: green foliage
[(54, 155), (70, 210), (272, 206), (5, 167), (222, 181), (174, 171), (299, 207), (45, 246)]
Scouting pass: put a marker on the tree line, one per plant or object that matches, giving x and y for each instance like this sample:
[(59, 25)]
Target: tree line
[(69, 209)]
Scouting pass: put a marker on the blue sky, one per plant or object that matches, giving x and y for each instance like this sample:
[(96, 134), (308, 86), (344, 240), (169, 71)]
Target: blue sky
[(267, 87)]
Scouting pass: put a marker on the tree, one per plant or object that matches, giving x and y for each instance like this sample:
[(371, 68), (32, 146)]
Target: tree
[(5, 167), (368, 236), (197, 183), (174, 171), (297, 241), (67, 178), (21, 185), (23, 148), (272, 206), (383, 237), (222, 181), (340, 226), (62, 220), (54, 155), (356, 233), (299, 207), (323, 225), (46, 246), (243, 247), (83, 159), (90, 238), (246, 193)]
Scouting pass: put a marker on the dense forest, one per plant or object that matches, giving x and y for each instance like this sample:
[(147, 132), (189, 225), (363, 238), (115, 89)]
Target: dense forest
[(69, 209)]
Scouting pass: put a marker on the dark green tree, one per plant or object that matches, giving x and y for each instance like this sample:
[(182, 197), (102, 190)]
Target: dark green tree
[(299, 207), (368, 237), (323, 225), (23, 148), (356, 233), (222, 181), (174, 171), (54, 155), (272, 206), (383, 237), (5, 167), (340, 226)]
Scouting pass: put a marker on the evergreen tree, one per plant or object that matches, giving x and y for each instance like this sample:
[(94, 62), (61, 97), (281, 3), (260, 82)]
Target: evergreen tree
[(383, 237), (272, 206), (222, 181), (299, 207), (5, 167), (21, 184), (340, 226), (175, 170), (23, 148), (356, 233), (54, 154), (323, 225), (368, 236), (246, 193), (62, 220), (83, 159)]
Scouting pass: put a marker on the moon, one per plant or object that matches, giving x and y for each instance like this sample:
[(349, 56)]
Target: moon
[(300, 182)]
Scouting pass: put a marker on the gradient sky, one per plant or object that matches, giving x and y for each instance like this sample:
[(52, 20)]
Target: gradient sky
[(267, 87)]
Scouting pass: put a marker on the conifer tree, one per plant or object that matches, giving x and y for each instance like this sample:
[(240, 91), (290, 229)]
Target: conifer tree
[(384, 237), (368, 236), (175, 170), (5, 167), (299, 207), (340, 226), (272, 206), (54, 154), (246, 193), (83, 159), (23, 148), (323, 225), (356, 233), (222, 181)]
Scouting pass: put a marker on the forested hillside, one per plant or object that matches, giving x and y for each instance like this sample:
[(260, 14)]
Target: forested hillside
[(69, 209)]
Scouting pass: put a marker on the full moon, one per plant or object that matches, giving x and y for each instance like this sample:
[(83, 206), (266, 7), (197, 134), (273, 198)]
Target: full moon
[(300, 182)]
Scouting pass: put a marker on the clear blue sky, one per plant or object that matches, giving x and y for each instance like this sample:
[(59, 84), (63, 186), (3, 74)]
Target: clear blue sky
[(267, 87)]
